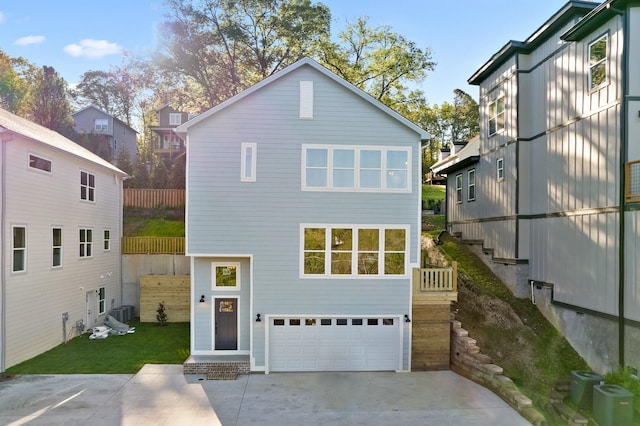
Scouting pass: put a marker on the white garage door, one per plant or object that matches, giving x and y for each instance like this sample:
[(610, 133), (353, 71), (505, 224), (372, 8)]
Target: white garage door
[(334, 344)]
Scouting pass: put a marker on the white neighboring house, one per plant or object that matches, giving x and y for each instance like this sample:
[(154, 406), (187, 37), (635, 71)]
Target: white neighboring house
[(61, 226)]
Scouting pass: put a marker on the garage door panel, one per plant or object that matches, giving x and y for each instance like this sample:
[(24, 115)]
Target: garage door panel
[(334, 344)]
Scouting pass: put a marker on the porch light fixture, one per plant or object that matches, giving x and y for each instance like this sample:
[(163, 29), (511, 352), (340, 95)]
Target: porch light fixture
[(258, 319), (202, 299), (406, 318)]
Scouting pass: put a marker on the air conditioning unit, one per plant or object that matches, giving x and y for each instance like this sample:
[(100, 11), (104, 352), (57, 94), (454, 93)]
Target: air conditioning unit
[(582, 383), (612, 405)]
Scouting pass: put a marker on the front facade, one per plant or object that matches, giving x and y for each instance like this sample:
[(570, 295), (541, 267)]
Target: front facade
[(303, 226), (552, 193), (61, 228), (111, 136)]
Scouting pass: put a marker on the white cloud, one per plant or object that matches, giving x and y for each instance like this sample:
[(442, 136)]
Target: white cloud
[(92, 49), (2, 18), (25, 41)]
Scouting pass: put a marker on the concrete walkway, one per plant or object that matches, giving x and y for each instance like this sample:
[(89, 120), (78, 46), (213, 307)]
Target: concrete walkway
[(162, 395)]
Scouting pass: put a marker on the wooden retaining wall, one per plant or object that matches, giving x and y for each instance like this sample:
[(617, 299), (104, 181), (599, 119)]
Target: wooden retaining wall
[(430, 337), (173, 290)]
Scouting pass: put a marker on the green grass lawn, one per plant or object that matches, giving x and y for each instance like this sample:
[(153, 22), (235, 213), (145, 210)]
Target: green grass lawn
[(433, 192), (134, 226), (150, 344)]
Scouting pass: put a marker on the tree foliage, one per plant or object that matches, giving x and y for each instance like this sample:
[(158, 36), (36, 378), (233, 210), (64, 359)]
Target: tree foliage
[(378, 61), (224, 46), (13, 86), (49, 103)]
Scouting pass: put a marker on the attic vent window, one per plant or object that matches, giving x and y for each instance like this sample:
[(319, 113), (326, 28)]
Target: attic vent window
[(306, 100), (175, 119), (39, 163)]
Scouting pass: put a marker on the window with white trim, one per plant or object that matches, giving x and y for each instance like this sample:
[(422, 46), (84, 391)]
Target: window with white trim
[(356, 168), (225, 276), (306, 100), (106, 239), (248, 161), (101, 124), (496, 116), (87, 186), (175, 119), (459, 188), (500, 169), (353, 251), (19, 246), (86, 242), (102, 297), (39, 163), (598, 62), (471, 185), (56, 247)]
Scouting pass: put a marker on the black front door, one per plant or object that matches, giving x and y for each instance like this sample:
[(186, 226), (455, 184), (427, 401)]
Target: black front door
[(226, 328)]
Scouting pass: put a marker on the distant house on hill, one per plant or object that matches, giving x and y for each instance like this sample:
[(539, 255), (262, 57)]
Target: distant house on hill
[(168, 145), (106, 135)]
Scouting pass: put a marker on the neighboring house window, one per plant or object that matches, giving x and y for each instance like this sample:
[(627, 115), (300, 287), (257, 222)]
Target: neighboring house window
[(353, 251), (226, 276), (458, 188), (471, 183), (348, 168), (175, 119), (306, 100), (39, 163), (101, 125), (56, 247), (496, 116), (87, 186), (86, 242), (500, 169), (107, 240), (19, 253), (248, 162), (102, 293), (598, 62)]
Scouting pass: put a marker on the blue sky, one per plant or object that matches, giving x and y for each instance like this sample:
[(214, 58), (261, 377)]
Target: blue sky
[(75, 36)]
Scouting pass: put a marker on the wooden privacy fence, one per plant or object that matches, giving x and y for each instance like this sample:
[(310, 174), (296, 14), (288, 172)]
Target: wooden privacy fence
[(153, 198), (153, 245), (173, 291)]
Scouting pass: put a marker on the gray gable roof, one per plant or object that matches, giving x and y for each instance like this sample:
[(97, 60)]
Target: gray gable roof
[(14, 124), (424, 135)]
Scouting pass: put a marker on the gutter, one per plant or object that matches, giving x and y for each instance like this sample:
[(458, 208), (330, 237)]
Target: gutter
[(3, 290)]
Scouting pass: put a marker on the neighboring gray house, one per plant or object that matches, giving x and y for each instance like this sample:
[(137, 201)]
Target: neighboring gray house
[(168, 145), (61, 226), (107, 130), (303, 226), (553, 190)]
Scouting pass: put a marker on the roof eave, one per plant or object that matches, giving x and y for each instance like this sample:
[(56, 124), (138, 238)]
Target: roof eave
[(460, 164)]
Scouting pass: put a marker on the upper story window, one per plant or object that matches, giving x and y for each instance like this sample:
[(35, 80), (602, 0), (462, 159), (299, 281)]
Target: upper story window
[(86, 242), (101, 124), (500, 169), (175, 119), (306, 100), (598, 62), (458, 188), (87, 186), (471, 185), (248, 162), (39, 163), (353, 251), (106, 240), (496, 116), (19, 253), (56, 247), (350, 168)]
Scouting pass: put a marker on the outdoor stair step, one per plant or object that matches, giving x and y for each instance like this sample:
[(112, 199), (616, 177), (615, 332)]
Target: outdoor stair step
[(223, 372)]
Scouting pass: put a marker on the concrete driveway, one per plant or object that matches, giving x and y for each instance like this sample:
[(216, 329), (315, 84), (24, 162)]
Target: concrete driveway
[(162, 395)]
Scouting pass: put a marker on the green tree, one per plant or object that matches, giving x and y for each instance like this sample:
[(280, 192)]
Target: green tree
[(123, 162), (378, 61), (49, 103), (13, 87), (224, 46), (177, 178), (160, 175), (141, 178)]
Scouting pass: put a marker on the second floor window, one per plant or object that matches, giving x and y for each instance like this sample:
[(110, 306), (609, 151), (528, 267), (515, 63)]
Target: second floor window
[(101, 125), (56, 247), (39, 163), (86, 242), (500, 169), (598, 62), (248, 161), (107, 240), (496, 116), (458, 188), (87, 186), (19, 253), (471, 176), (175, 119)]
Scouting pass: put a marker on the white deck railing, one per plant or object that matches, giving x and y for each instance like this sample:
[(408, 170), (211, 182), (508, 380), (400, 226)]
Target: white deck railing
[(438, 279)]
